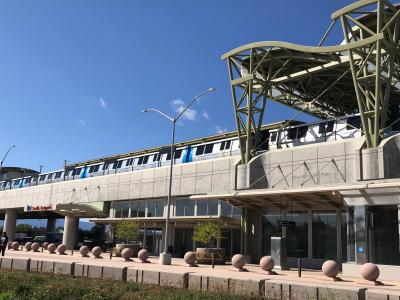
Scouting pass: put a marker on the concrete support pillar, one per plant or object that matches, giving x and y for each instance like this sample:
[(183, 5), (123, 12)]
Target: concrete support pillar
[(10, 223), (51, 225), (71, 226), (339, 235), (361, 233), (309, 234)]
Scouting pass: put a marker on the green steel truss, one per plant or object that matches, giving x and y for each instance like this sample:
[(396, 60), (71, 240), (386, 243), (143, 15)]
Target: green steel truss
[(359, 75)]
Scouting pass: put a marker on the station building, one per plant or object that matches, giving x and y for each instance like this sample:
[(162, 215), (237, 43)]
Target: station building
[(330, 189)]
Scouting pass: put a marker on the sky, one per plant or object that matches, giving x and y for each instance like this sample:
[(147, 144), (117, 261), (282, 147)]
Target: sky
[(75, 75)]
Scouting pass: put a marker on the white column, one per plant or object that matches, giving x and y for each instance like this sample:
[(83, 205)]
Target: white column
[(309, 234), (71, 225), (10, 223)]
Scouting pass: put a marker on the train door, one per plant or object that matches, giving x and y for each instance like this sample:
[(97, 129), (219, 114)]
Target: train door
[(187, 155)]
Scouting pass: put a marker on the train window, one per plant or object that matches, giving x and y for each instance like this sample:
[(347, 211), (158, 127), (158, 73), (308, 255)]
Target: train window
[(119, 164), (302, 132), (273, 136), (292, 132), (4, 184), (353, 122), (209, 148), (155, 157), (146, 159), (200, 150), (93, 169), (178, 153), (76, 172), (49, 176), (105, 166), (42, 177), (225, 145), (58, 175), (28, 180), (129, 162), (140, 161), (16, 182), (330, 126)]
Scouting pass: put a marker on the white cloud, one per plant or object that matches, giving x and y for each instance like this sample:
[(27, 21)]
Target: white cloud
[(205, 115), (189, 114), (103, 103), (219, 129), (82, 122)]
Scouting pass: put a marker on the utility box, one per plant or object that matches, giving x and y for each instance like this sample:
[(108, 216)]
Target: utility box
[(279, 252)]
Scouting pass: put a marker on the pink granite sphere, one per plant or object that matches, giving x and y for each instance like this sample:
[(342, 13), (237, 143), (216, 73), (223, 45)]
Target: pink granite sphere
[(52, 248), (45, 245), (96, 251), (143, 255), (370, 271), (238, 261), (15, 246), (61, 249), (84, 251), (35, 247), (330, 268), (267, 263), (28, 246), (127, 253), (190, 258)]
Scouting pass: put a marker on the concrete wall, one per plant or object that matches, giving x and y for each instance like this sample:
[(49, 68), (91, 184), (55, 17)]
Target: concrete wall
[(335, 162), (208, 176)]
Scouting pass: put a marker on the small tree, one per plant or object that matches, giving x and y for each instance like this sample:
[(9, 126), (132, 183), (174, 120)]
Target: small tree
[(208, 233), (127, 230)]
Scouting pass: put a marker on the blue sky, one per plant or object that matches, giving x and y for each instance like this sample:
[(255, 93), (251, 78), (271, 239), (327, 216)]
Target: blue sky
[(75, 75)]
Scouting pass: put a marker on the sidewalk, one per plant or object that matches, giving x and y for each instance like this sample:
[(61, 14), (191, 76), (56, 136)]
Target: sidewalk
[(204, 277)]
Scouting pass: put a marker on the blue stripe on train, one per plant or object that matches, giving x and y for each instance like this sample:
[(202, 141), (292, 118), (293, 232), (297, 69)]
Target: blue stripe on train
[(187, 157), (85, 171)]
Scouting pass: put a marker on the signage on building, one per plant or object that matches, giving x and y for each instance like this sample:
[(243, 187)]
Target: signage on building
[(30, 208)]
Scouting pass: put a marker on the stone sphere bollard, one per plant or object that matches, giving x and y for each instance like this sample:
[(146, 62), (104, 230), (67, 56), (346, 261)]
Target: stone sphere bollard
[(35, 247), (267, 264), (84, 251), (45, 245), (51, 248), (96, 252), (28, 246), (143, 255), (238, 261), (190, 258), (370, 272), (15, 246), (61, 249), (330, 269), (127, 253)]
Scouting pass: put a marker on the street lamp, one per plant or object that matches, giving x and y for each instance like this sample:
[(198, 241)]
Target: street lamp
[(165, 258), (4, 158)]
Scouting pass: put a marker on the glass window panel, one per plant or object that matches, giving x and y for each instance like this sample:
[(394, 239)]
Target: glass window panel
[(180, 207), (209, 148), (297, 236), (222, 146), (324, 234), (122, 209), (226, 209), (202, 207), (141, 209), (200, 150), (270, 228), (159, 208), (134, 209), (151, 209), (212, 207)]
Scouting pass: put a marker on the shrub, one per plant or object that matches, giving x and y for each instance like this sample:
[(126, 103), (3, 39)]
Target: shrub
[(127, 230), (208, 233)]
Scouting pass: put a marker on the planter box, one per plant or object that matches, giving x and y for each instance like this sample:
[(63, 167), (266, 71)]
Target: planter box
[(204, 256)]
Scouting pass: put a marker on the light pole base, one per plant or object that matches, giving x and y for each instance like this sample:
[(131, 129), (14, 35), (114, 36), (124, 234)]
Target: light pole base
[(165, 258)]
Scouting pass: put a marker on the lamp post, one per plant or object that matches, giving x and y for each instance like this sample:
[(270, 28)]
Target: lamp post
[(4, 158), (165, 258)]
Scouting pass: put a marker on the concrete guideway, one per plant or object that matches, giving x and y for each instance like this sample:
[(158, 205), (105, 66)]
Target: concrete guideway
[(224, 278)]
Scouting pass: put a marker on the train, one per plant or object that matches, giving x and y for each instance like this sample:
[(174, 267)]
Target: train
[(288, 134)]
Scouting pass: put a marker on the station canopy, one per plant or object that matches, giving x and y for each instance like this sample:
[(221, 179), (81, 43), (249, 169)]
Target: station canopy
[(360, 74)]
